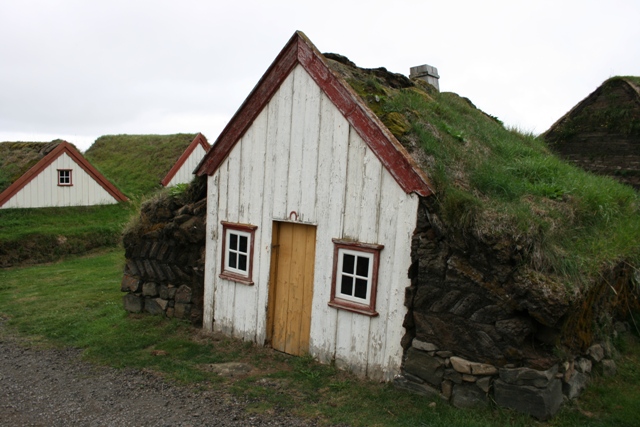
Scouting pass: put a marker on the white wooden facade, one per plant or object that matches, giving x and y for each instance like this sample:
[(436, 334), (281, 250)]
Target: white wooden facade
[(301, 155), (185, 173), (40, 186)]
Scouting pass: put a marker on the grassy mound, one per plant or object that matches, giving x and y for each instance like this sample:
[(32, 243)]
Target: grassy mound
[(137, 163), (500, 183)]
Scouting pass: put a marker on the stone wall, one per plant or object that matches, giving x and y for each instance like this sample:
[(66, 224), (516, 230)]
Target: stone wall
[(164, 249), (481, 326)]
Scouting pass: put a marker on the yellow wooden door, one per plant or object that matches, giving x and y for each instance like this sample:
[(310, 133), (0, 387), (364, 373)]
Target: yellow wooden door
[(291, 289)]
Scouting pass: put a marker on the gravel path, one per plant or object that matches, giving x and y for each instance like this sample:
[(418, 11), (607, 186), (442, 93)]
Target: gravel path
[(56, 388)]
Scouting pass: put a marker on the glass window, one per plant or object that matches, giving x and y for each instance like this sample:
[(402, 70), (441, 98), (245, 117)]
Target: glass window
[(237, 251), (64, 176), (355, 275)]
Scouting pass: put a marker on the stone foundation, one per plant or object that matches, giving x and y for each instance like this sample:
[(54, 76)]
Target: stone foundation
[(164, 273), (429, 371)]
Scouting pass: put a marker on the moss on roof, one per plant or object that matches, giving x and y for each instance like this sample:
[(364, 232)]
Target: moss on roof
[(503, 185), (16, 158), (137, 163)]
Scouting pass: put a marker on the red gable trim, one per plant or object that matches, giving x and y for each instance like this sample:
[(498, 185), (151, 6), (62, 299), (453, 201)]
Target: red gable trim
[(299, 50), (198, 140), (63, 147)]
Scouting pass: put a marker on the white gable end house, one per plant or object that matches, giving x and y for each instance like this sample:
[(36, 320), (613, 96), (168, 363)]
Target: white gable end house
[(63, 177), (311, 207)]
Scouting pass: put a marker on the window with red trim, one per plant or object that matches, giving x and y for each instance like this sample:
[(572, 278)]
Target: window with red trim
[(237, 252), (354, 284), (64, 177)]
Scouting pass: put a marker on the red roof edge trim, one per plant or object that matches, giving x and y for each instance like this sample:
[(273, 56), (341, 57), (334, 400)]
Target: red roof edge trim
[(63, 147), (300, 50), (251, 107), (198, 140), (387, 148)]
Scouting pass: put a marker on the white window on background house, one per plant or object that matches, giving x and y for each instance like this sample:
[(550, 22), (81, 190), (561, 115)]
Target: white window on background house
[(355, 276), (64, 177), (237, 252)]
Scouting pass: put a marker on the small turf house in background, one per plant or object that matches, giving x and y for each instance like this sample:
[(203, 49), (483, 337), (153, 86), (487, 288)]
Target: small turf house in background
[(35, 175), (142, 164), (601, 133), (182, 170)]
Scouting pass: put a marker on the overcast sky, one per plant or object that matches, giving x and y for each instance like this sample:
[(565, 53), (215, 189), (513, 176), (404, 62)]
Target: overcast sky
[(80, 69)]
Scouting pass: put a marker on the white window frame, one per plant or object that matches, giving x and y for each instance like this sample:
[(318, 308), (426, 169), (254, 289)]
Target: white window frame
[(340, 300), (340, 275), (234, 273), (237, 252), (62, 180)]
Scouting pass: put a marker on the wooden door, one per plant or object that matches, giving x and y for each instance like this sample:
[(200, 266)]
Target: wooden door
[(291, 287)]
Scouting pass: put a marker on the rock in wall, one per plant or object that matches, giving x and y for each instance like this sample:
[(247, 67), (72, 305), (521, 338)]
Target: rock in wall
[(164, 249), (482, 326)]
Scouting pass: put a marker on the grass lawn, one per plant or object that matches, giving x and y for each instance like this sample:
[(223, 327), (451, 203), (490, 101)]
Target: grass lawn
[(47, 234), (77, 303)]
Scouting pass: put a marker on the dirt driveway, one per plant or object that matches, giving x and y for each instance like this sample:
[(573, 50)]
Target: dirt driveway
[(51, 387)]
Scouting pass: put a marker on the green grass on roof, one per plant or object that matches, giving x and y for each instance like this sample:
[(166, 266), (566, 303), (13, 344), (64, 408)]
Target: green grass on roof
[(137, 163), (16, 158), (503, 185)]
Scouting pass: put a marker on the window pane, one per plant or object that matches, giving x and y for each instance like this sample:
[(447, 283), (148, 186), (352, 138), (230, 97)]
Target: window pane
[(348, 262), (233, 241), (242, 262), (361, 288), (243, 244), (233, 260), (347, 285), (363, 267)]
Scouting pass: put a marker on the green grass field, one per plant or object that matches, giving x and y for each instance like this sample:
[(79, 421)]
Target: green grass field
[(77, 303), (46, 234)]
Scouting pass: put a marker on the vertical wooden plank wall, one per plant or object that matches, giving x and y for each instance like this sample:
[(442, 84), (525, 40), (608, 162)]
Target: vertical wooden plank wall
[(185, 173), (43, 190), (301, 155)]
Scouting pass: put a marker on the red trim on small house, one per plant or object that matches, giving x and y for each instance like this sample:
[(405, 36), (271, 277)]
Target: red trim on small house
[(300, 50), (63, 147), (198, 140)]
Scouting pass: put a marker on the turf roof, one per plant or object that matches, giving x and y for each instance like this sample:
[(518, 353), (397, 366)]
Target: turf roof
[(503, 185), (137, 163), (16, 158)]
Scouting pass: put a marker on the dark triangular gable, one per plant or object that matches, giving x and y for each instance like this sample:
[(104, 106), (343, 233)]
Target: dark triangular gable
[(300, 50), (63, 147), (198, 140)]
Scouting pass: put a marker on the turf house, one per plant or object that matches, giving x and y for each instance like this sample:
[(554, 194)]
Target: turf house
[(35, 175), (182, 171), (602, 132), (371, 221)]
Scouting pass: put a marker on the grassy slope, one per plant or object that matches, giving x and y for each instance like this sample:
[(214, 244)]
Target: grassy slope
[(46, 234), (73, 303), (137, 163), (500, 183)]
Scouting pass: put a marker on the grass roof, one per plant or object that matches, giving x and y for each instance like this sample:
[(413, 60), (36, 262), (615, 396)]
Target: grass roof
[(503, 185), (137, 163), (612, 109), (16, 158)]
